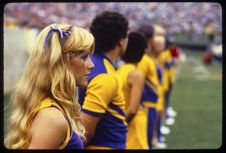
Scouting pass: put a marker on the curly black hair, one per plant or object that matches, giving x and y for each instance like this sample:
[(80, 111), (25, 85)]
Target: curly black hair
[(135, 48), (108, 28)]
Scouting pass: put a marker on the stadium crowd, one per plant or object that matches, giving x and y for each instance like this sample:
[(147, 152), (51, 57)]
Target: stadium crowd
[(175, 17)]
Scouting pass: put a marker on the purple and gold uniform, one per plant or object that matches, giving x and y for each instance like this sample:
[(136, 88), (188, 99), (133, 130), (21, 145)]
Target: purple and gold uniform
[(137, 133), (103, 98), (72, 139), (150, 93), (160, 88), (160, 103), (168, 63)]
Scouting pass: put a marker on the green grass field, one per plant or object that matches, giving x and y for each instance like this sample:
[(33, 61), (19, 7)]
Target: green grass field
[(199, 106)]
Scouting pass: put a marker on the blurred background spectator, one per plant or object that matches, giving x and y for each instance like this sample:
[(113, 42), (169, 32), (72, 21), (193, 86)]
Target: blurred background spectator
[(22, 21), (197, 18)]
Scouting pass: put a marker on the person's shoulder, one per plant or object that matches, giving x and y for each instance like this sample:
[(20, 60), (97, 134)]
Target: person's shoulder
[(49, 111), (51, 116), (105, 81), (145, 57), (48, 123), (104, 78), (136, 75), (148, 59)]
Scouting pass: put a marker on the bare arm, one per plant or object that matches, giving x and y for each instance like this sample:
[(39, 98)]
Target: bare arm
[(90, 123), (96, 102), (136, 81), (48, 129)]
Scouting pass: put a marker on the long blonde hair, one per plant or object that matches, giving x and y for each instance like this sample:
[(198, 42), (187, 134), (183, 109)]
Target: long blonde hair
[(47, 74)]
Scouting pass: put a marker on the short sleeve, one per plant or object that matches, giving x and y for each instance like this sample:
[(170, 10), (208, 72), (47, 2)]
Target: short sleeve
[(100, 91), (142, 67)]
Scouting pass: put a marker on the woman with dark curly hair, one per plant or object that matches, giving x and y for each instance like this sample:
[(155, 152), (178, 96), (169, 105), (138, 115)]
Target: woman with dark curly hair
[(102, 100)]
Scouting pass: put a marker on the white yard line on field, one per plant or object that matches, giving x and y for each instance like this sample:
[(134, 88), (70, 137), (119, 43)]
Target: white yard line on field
[(201, 72)]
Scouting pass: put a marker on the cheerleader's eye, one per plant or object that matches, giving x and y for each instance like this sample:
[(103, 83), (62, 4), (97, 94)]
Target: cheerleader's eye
[(84, 57)]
